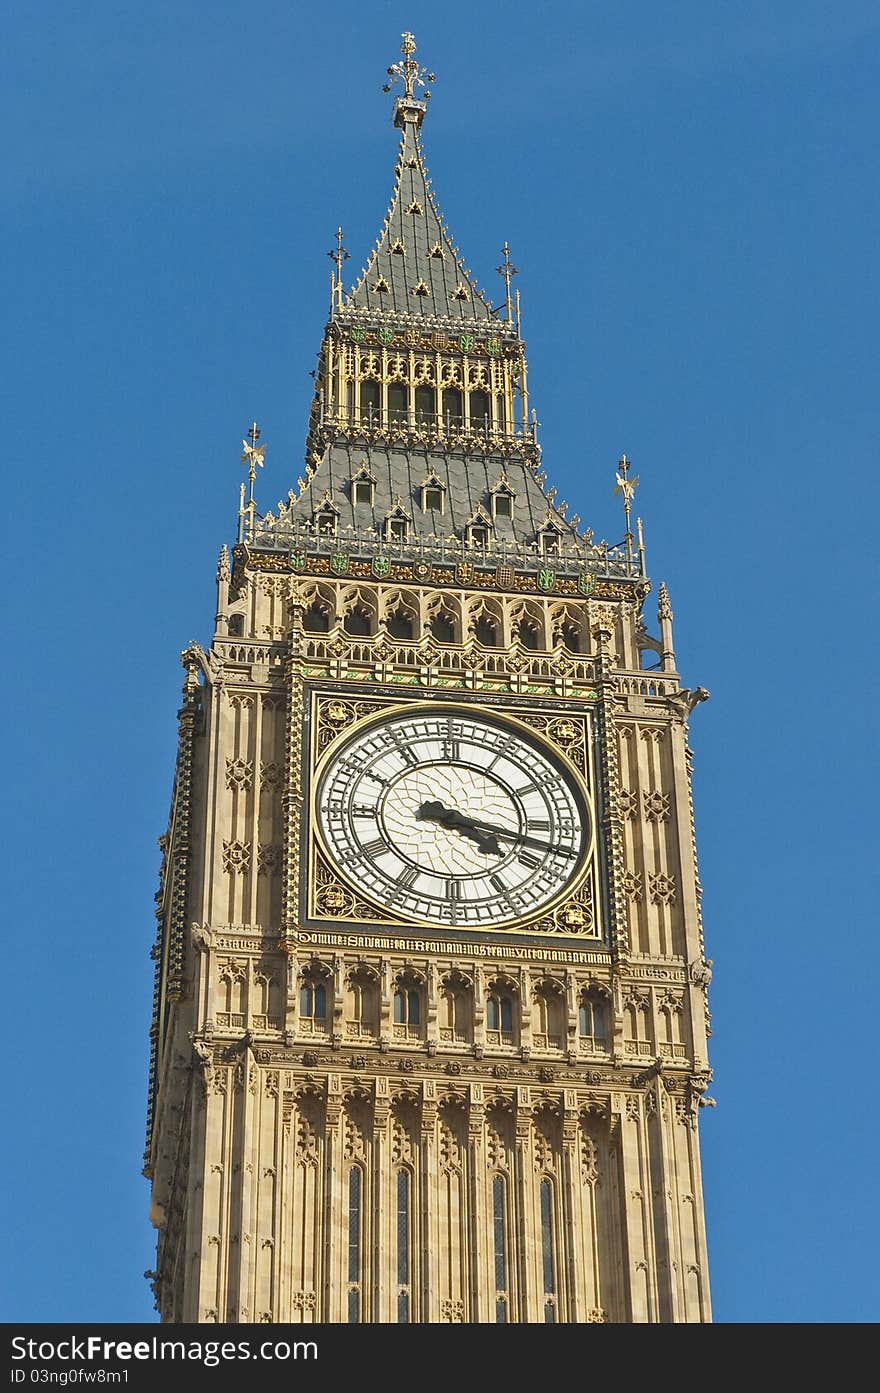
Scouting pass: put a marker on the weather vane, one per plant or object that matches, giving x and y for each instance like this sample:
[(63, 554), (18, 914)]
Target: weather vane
[(627, 487), (337, 256), (508, 271), (409, 71), (252, 455)]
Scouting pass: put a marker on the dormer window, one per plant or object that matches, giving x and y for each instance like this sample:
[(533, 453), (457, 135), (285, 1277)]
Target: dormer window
[(550, 537), (415, 208), (460, 292), (478, 529), (397, 523), (433, 495), (502, 496), (420, 289), (363, 486), (325, 518), (397, 248), (382, 287), (437, 251)]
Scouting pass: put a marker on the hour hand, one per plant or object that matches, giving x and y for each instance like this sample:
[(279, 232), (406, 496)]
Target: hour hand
[(450, 817)]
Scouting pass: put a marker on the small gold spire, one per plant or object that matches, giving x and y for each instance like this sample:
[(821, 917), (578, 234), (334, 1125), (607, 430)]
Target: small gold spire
[(508, 271), (252, 455), (338, 255), (627, 488)]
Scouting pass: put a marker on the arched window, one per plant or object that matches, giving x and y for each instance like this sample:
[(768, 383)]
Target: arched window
[(407, 1007), (455, 1012), (357, 622), (452, 406), (548, 1254), (501, 412), (527, 632), (355, 1188), (499, 1018), (593, 1022), (499, 1234), (571, 638), (316, 620), (403, 1248), (361, 1005), (425, 405), (480, 410), (236, 625), (313, 1001), (443, 627), (549, 1021), (397, 402), (369, 401), (400, 624), (486, 632)]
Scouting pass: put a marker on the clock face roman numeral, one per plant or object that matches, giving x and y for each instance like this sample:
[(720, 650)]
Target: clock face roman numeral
[(374, 847)]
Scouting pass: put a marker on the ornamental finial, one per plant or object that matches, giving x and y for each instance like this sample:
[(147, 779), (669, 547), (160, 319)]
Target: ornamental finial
[(252, 455), (338, 255), (627, 487), (508, 271), (409, 107)]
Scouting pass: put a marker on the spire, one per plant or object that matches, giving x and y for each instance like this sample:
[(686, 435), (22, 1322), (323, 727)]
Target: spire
[(414, 268), (664, 615)]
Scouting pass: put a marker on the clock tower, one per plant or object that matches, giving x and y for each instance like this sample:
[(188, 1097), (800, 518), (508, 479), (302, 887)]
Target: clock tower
[(430, 1030)]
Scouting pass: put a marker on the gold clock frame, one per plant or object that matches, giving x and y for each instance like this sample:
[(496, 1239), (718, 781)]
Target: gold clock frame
[(574, 914)]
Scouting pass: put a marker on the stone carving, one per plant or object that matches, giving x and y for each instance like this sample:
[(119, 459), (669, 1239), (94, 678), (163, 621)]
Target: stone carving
[(589, 1156), (632, 885), (657, 807), (700, 972), (661, 888), (236, 856), (239, 773), (268, 859), (271, 774), (628, 802), (452, 1312)]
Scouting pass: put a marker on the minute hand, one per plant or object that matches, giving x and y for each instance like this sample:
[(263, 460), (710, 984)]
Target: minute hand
[(520, 837), (463, 822)]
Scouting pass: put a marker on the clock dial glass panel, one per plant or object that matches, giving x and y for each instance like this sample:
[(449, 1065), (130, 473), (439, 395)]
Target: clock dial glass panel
[(452, 818)]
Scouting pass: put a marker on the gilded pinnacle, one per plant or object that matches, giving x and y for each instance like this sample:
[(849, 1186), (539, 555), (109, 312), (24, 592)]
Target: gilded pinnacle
[(409, 107)]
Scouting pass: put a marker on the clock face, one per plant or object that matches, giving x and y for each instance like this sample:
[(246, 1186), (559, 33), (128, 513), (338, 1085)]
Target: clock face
[(443, 816)]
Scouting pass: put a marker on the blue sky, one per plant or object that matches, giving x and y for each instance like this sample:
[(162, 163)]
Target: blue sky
[(691, 199)]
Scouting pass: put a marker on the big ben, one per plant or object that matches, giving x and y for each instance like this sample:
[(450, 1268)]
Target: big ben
[(430, 1027)]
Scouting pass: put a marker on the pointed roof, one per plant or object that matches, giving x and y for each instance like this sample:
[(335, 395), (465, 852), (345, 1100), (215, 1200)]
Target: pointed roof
[(414, 268)]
